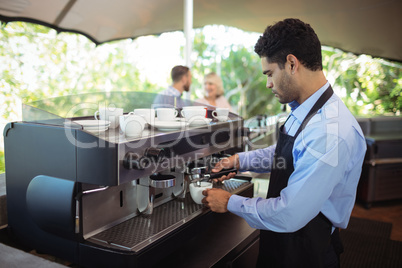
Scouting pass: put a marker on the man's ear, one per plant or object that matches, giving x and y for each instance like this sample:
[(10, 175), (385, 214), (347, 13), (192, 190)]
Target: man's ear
[(293, 63)]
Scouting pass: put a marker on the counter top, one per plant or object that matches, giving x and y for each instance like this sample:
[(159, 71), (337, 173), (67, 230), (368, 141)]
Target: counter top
[(385, 136)]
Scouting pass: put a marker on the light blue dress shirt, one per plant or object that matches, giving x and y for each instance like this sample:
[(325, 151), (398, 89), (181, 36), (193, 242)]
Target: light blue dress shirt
[(327, 159), (170, 97)]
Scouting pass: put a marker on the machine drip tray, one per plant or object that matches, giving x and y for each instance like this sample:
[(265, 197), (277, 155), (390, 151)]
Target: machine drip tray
[(137, 233)]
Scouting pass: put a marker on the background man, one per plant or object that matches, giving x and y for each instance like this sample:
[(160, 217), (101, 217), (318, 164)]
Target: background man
[(181, 81)]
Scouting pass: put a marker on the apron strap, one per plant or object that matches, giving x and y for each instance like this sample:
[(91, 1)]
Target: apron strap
[(320, 102)]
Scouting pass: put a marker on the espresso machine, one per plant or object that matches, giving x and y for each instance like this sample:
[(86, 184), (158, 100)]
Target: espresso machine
[(104, 199)]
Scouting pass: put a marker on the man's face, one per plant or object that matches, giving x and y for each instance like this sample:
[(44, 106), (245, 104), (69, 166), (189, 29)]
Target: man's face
[(187, 81), (280, 81)]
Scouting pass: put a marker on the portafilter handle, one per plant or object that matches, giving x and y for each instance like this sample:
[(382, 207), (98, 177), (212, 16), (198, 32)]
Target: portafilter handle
[(198, 174), (222, 173), (206, 177)]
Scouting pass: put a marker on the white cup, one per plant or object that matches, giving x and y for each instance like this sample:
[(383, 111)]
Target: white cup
[(148, 114), (196, 107), (196, 191), (166, 114), (220, 112), (132, 125), (194, 111), (109, 114)]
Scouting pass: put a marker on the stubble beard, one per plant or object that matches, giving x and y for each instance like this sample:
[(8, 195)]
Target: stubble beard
[(287, 88), (186, 87)]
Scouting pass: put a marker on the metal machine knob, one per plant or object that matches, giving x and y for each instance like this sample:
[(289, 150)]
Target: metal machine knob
[(155, 153)]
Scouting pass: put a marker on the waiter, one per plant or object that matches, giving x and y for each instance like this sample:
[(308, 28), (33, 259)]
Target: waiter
[(315, 165)]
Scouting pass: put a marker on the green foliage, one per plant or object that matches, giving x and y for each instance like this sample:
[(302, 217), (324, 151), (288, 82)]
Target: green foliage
[(2, 164), (38, 63), (241, 74), (368, 86)]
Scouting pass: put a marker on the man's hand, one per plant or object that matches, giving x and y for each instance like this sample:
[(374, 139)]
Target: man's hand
[(225, 177), (216, 199), (226, 163)]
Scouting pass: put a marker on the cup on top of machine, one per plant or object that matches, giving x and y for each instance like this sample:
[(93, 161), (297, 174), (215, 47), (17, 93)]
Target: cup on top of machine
[(132, 125), (190, 112), (221, 114), (148, 114), (196, 191), (109, 114), (166, 114)]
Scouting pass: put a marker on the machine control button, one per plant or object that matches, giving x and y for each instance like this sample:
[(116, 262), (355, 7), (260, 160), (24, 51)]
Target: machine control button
[(155, 153)]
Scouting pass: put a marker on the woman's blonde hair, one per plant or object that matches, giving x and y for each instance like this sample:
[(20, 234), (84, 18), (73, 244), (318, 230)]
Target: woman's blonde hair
[(216, 80)]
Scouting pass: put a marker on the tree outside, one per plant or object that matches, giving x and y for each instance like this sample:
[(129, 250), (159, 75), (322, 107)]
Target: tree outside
[(368, 86), (38, 63)]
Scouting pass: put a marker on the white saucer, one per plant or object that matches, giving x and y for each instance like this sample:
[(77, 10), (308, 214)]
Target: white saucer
[(96, 130), (199, 121), (169, 125), (90, 123), (222, 118), (96, 127), (177, 119)]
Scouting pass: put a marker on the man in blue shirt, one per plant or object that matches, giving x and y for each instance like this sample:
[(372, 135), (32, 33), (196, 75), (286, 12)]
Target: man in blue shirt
[(171, 97), (315, 165)]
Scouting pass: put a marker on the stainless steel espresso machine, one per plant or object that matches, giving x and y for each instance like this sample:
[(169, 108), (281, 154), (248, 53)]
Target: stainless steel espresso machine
[(102, 199)]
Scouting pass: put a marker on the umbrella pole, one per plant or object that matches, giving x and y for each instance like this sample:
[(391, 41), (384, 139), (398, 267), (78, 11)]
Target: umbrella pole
[(188, 27)]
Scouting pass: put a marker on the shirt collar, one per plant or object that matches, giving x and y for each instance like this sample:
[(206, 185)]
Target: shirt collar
[(300, 111), (293, 105), (174, 91)]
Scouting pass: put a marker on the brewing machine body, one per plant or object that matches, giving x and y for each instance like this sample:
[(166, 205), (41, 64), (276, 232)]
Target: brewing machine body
[(94, 200), (35, 150)]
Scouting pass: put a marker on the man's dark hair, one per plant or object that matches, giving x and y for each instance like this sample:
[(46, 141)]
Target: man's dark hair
[(178, 72), (290, 36)]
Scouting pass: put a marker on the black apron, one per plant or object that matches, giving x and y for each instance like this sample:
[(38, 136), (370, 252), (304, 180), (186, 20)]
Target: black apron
[(310, 246)]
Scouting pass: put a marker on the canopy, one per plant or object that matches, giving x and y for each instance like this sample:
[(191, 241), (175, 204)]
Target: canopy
[(359, 26)]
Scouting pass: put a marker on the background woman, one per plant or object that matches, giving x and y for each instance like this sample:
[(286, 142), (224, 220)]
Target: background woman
[(213, 92)]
